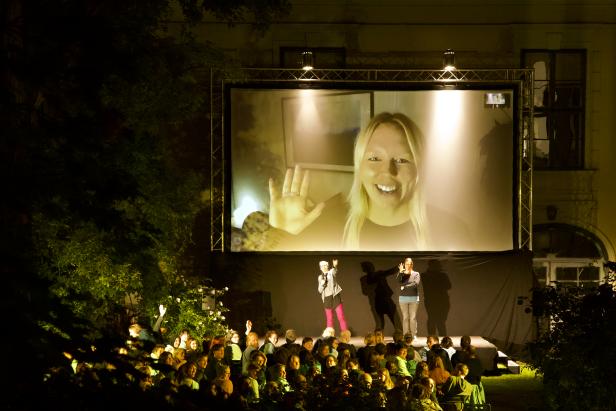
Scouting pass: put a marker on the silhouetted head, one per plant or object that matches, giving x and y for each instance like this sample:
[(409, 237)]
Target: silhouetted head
[(435, 265), (367, 267)]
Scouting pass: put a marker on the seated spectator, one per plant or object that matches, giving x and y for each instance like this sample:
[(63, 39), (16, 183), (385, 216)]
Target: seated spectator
[(281, 356), (411, 363), (412, 354), (384, 378), (290, 336), (456, 390), (475, 368), (260, 360), (186, 376), (345, 343), (365, 381), (157, 351), (192, 349), (216, 358), (343, 357), (390, 351), (313, 373), (392, 367), (201, 363), (307, 344), (223, 380), (364, 353), (435, 350), (233, 354), (206, 344), (279, 376), (252, 382), (422, 370), (397, 397), (379, 336), (461, 355), (184, 335), (145, 337), (397, 336), (179, 354), (272, 396), (327, 333), (447, 345), (437, 371), (140, 334), (430, 386), (421, 400), (307, 361), (322, 354), (269, 344), (333, 346), (252, 344), (401, 362), (166, 368), (299, 384), (293, 366), (146, 381), (377, 358), (354, 371), (330, 362)]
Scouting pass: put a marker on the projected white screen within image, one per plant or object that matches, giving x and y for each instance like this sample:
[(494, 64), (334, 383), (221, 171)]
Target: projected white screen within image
[(371, 170)]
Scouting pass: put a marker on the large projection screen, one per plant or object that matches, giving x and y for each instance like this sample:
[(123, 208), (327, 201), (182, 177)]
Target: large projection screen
[(445, 180)]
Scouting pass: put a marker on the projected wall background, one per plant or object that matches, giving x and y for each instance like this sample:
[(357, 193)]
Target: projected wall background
[(463, 174)]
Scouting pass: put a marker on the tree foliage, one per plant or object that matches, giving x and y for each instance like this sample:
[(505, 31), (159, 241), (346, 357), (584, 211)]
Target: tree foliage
[(103, 182), (260, 12), (575, 350), (200, 310)]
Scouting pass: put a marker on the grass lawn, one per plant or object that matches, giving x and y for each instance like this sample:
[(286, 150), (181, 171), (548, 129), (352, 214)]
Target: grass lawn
[(515, 392)]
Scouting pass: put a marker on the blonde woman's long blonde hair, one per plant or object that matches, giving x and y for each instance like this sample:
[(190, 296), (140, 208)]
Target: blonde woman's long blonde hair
[(358, 198)]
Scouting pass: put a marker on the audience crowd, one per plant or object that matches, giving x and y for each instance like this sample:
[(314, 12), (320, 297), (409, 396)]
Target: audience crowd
[(243, 371)]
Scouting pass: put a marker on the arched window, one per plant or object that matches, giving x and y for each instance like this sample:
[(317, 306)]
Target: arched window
[(567, 255)]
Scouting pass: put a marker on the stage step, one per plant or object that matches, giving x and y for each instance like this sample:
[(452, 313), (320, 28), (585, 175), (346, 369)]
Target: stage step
[(513, 367), (503, 362)]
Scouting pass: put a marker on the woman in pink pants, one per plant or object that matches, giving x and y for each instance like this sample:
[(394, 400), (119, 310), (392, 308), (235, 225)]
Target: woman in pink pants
[(331, 294)]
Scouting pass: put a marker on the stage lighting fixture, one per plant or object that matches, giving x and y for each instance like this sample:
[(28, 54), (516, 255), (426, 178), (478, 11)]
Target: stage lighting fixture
[(449, 60), (307, 60)]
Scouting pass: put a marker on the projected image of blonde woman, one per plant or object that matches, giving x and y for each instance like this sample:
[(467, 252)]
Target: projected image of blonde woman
[(383, 209), (385, 199)]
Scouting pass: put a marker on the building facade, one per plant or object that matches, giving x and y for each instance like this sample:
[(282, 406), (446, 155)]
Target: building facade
[(571, 47)]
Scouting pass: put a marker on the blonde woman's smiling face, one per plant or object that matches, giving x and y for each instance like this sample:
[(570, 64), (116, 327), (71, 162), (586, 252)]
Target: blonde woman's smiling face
[(388, 173)]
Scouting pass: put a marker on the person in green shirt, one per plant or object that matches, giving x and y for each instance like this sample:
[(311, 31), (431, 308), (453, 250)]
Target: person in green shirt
[(456, 390)]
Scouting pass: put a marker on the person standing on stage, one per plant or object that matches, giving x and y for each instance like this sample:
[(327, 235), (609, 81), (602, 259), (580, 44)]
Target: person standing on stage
[(331, 294), (409, 296)]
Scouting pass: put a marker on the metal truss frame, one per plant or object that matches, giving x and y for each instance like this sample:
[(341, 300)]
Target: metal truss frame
[(520, 78)]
